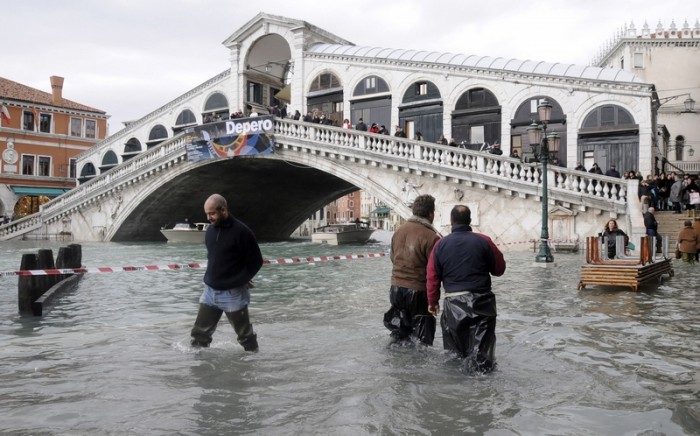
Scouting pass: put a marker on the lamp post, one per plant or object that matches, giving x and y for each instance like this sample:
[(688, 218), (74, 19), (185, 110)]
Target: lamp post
[(542, 144)]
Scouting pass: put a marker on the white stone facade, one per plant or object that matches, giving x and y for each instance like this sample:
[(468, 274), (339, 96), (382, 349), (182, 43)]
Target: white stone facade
[(311, 51)]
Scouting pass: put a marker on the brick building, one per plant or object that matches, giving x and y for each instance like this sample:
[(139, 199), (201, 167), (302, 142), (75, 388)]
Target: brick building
[(40, 135)]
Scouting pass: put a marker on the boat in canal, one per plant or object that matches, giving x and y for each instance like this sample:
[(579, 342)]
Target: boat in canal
[(344, 233), (186, 232)]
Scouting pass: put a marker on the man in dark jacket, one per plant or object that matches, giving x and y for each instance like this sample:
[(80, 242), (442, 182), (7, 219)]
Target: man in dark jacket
[(652, 226), (410, 248), (463, 262), (233, 259)]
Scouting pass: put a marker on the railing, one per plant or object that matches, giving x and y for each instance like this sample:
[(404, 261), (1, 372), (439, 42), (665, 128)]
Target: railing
[(685, 167), (569, 186)]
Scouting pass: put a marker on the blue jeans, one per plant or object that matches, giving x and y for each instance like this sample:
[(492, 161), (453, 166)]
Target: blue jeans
[(229, 300)]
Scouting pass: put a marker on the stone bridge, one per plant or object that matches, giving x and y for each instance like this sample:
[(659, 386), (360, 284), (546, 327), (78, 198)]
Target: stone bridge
[(313, 165)]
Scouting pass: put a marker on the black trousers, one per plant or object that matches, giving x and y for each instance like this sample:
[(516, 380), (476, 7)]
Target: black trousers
[(409, 316), (469, 328)]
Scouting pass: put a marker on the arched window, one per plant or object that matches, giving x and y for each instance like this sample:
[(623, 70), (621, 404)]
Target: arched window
[(370, 85), (109, 161), (324, 81), (609, 136), (476, 119), (131, 149), (215, 102), (185, 118), (525, 114), (421, 111), (157, 135), (216, 108), (87, 172), (609, 116), (325, 97)]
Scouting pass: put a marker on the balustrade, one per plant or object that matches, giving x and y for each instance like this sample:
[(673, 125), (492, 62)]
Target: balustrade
[(456, 162)]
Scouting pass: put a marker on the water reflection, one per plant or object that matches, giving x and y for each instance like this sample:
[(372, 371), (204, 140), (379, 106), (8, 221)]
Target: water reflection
[(113, 355)]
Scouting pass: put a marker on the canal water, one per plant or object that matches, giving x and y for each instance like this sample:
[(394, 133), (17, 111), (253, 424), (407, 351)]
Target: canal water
[(113, 357)]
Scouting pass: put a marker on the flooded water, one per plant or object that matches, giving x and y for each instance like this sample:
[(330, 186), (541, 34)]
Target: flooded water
[(113, 356)]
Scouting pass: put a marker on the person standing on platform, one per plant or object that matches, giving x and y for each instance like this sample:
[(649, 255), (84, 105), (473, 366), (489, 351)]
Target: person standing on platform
[(652, 226), (611, 232), (233, 259), (463, 262), (410, 248)]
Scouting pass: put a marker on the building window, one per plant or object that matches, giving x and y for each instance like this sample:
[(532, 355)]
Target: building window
[(91, 129), (76, 127), (351, 203), (28, 164), (44, 166), (45, 123), (28, 120), (72, 169), (622, 63), (476, 135), (370, 83), (352, 214), (338, 106), (639, 60), (255, 92), (421, 88)]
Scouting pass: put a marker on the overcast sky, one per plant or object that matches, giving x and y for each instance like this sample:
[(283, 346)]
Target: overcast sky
[(129, 57)]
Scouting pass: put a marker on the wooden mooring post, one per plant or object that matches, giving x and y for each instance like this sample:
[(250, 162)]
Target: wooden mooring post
[(35, 293)]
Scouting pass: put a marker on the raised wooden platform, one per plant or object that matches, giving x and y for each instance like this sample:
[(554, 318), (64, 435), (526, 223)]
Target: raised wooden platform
[(629, 272), (632, 276)]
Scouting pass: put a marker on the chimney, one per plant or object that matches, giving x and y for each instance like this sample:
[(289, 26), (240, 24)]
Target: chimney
[(57, 90)]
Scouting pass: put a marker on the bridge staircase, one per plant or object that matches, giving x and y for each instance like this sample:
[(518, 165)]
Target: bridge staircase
[(670, 224)]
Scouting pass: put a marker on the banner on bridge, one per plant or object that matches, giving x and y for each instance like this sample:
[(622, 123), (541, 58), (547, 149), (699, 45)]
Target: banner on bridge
[(237, 137)]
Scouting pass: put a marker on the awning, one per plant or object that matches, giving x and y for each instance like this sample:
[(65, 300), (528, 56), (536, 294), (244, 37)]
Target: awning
[(380, 211), (285, 94), (36, 191)]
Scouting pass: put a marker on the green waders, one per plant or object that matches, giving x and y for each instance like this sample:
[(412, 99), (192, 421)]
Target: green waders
[(207, 319)]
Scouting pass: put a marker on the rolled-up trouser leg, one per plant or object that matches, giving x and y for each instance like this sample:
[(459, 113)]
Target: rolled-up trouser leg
[(205, 325), (244, 329)]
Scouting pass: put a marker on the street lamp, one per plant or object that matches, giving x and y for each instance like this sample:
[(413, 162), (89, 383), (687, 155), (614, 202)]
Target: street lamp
[(542, 145)]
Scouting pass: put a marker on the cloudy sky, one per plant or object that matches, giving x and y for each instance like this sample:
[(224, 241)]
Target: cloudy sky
[(129, 57)]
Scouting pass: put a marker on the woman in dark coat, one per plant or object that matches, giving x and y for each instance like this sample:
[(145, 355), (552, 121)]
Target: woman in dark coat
[(612, 231)]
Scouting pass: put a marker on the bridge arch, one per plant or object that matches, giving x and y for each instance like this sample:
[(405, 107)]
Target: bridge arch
[(282, 205)]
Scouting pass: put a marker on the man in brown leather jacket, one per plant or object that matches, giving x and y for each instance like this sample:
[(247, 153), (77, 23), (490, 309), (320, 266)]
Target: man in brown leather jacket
[(410, 249)]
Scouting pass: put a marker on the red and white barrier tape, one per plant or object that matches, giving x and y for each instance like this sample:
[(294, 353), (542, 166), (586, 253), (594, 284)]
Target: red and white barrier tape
[(110, 269)]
